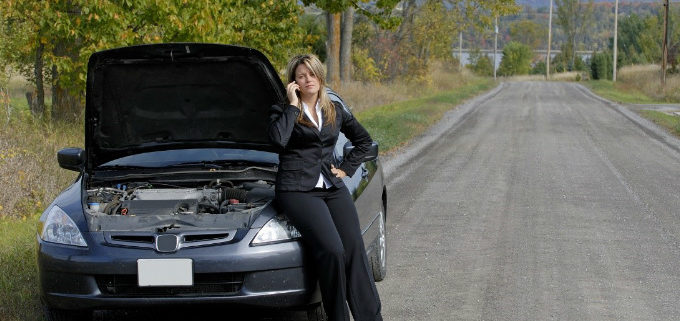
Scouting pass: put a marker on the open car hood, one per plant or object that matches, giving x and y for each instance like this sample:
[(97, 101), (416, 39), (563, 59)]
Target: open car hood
[(172, 96)]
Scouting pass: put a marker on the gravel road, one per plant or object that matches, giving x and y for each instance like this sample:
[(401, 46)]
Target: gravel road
[(541, 203)]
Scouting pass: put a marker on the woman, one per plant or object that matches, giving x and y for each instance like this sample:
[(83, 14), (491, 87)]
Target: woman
[(310, 190)]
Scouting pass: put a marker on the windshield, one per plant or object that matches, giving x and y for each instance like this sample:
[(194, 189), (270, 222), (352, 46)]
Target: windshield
[(180, 156)]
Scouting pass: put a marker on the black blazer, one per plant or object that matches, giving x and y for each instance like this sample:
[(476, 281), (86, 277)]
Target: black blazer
[(305, 152)]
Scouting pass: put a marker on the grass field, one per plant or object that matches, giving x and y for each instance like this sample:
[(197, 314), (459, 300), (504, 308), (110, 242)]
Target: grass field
[(31, 176), (395, 124), (639, 85), (19, 278), (613, 92)]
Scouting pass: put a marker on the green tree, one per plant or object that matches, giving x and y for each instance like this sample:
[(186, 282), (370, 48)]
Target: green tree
[(528, 32), (516, 59), (340, 21), (315, 34), (575, 18), (601, 66), (630, 42), (63, 34), (430, 28), (480, 63), (538, 68)]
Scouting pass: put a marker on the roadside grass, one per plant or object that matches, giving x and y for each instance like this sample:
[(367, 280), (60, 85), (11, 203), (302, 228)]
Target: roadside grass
[(19, 278), (31, 176), (617, 92), (639, 84), (670, 122), (361, 96), (393, 125)]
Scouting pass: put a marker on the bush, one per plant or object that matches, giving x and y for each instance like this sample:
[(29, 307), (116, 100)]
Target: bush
[(601, 66), (480, 63), (516, 59), (365, 68), (538, 68)]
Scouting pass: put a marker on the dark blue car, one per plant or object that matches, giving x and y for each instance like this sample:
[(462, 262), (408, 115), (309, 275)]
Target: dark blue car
[(173, 203)]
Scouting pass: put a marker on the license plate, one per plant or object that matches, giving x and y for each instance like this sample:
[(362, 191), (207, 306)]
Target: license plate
[(165, 272)]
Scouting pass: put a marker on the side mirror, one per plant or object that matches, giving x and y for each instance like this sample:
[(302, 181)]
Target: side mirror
[(371, 155), (71, 158)]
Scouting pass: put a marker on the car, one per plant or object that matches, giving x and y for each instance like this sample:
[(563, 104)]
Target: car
[(173, 203)]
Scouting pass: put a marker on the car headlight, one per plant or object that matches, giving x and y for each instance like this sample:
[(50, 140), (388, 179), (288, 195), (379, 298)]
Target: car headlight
[(278, 229), (60, 228)]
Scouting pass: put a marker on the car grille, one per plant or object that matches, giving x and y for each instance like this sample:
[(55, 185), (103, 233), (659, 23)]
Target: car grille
[(147, 240), (205, 284)]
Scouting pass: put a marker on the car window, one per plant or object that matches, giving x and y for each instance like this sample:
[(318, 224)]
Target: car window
[(339, 145)]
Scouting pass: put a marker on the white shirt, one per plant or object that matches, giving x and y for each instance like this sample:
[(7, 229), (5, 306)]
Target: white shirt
[(322, 182)]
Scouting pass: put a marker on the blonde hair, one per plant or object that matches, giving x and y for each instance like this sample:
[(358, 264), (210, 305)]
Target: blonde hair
[(316, 66)]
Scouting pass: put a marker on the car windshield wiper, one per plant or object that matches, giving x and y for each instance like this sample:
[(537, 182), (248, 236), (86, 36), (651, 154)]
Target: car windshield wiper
[(204, 164), (122, 167), (221, 164)]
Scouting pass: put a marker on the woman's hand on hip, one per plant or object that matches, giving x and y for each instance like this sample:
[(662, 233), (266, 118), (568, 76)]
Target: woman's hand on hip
[(338, 172), (291, 89)]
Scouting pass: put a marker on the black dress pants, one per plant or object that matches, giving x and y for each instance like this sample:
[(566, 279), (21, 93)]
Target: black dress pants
[(328, 222)]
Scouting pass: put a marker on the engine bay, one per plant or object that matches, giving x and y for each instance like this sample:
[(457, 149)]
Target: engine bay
[(135, 205)]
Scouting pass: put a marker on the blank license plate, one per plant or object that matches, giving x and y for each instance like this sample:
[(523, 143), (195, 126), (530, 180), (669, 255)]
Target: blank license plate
[(165, 272)]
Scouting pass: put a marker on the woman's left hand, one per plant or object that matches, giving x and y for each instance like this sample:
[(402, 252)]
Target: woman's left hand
[(338, 172)]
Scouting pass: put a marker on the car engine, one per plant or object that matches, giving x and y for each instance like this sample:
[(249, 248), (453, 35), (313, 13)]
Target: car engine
[(147, 199)]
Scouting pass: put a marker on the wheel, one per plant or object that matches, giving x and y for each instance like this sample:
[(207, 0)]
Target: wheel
[(316, 313), (66, 315), (378, 258)]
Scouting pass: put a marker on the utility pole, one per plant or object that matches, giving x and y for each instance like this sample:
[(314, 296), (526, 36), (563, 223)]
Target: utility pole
[(460, 50), (665, 45), (495, 45), (547, 64), (616, 38)]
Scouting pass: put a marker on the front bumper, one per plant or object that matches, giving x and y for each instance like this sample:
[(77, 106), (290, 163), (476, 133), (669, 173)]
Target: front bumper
[(104, 277)]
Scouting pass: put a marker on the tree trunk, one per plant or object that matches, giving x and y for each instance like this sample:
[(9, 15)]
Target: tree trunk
[(333, 46), (407, 14), (65, 105), (37, 105), (346, 45)]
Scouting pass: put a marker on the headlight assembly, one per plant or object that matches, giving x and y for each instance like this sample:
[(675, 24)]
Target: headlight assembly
[(60, 228), (278, 229)]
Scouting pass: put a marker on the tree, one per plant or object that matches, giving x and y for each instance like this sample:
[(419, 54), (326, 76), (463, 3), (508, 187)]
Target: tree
[(528, 32), (66, 33), (346, 44), (631, 29), (601, 66), (575, 18), (516, 59), (480, 63), (26, 18), (334, 12), (315, 34), (430, 27)]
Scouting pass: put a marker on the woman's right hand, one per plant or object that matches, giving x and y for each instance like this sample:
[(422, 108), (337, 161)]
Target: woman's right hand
[(292, 96)]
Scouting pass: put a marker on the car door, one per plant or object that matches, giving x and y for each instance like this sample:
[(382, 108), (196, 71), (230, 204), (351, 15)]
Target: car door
[(366, 191)]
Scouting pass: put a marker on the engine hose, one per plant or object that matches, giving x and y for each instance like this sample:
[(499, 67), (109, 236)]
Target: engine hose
[(235, 193), (112, 207)]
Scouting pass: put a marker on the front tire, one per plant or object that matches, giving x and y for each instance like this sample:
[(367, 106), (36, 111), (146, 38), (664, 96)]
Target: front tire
[(378, 258)]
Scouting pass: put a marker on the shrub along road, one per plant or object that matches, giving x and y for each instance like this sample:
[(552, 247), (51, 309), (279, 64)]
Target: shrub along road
[(542, 203)]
